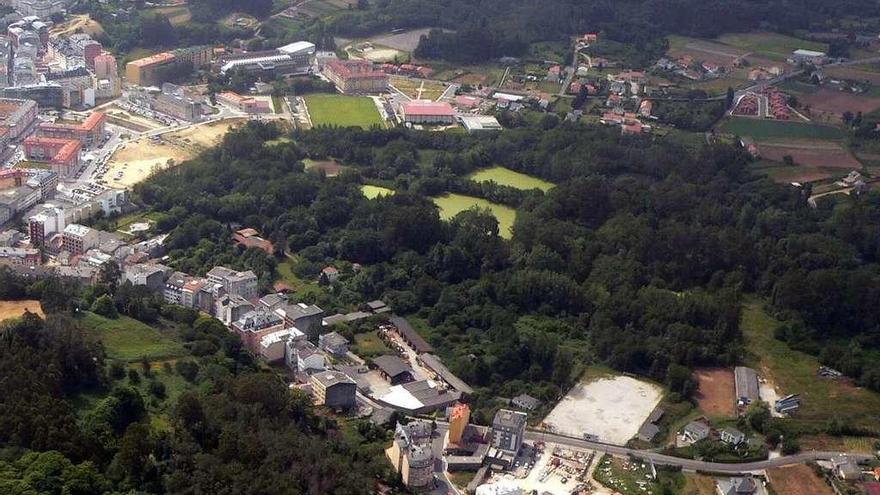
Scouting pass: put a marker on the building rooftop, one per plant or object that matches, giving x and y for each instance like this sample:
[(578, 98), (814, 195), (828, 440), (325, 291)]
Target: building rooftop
[(429, 108), (333, 339), (297, 47), (505, 418), (77, 230), (392, 365), (410, 335), (436, 365), (257, 320), (330, 378), (159, 58)]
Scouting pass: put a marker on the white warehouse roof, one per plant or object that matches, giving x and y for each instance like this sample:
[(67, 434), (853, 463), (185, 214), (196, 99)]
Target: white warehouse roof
[(298, 47)]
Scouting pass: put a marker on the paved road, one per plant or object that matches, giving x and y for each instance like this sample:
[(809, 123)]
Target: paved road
[(690, 464)]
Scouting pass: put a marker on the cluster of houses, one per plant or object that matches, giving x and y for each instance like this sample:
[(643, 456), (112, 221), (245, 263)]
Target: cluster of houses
[(700, 429), (767, 103), (691, 69), (411, 70)]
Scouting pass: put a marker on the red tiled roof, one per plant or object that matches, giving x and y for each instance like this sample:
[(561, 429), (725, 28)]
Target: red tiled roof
[(430, 108)]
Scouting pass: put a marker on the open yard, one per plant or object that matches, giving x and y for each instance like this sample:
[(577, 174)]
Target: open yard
[(418, 89), (14, 309), (810, 154), (367, 345), (624, 476), (854, 73), (765, 130), (506, 177), (406, 41), (716, 392), (176, 14), (794, 372), (773, 46), (343, 111), (373, 192), (797, 480), (610, 407), (453, 204), (127, 339)]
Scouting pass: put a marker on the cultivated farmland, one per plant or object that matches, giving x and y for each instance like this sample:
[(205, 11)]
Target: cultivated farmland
[(773, 46), (453, 204), (810, 154), (343, 111), (829, 105), (763, 130), (506, 177)]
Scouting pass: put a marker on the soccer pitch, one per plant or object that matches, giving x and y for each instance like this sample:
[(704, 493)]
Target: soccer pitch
[(343, 111)]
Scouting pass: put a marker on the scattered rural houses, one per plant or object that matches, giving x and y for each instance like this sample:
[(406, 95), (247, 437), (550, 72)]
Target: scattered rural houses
[(695, 431), (732, 436)]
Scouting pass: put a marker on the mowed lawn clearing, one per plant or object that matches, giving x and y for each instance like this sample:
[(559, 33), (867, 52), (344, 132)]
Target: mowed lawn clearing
[(369, 345), (15, 309), (373, 192), (453, 204), (343, 111), (795, 372), (127, 339), (506, 177), (774, 129), (797, 480)]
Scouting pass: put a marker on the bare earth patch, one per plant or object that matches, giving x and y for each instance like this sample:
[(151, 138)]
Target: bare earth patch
[(828, 155), (797, 480), (716, 392), (612, 408), (15, 309)]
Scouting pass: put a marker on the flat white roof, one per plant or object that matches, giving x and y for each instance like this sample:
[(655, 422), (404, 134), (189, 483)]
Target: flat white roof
[(298, 47), (279, 336), (480, 122), (401, 397), (809, 53), (507, 96)]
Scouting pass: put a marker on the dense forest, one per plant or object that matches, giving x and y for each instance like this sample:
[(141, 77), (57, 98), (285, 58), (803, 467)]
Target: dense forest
[(638, 258), (73, 424), (494, 28)]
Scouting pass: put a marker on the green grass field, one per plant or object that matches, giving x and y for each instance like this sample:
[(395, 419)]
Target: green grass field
[(770, 45), (794, 372), (343, 111), (506, 177), (770, 129), (373, 192), (127, 339), (453, 204), (369, 345)]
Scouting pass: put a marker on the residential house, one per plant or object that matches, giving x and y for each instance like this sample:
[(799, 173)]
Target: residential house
[(300, 315), (648, 432), (696, 431), (846, 468), (377, 307), (508, 429), (525, 402), (151, 276), (738, 486), (251, 238), (732, 436), (304, 357), (333, 343)]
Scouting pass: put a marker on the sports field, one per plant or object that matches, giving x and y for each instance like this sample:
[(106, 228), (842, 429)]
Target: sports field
[(506, 177), (453, 204), (343, 111), (770, 129)]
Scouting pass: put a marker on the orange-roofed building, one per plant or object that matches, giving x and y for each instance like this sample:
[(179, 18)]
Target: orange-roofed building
[(61, 154), (458, 421), (89, 132), (145, 71), (251, 238)]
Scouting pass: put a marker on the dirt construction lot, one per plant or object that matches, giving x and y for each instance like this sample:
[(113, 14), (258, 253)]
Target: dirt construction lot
[(612, 408), (815, 154), (143, 156), (715, 395), (14, 309), (797, 480)]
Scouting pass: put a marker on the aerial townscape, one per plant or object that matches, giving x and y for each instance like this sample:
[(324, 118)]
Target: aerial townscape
[(448, 247)]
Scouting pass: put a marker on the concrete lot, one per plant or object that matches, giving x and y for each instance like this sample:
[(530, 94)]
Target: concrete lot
[(612, 408)]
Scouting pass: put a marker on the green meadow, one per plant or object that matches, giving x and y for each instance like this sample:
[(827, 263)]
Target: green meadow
[(453, 204), (506, 177), (343, 111), (373, 192)]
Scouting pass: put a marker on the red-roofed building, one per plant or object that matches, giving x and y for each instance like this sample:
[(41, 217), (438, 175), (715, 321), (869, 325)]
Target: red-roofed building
[(468, 101), (575, 87), (634, 128), (591, 37), (88, 132), (61, 154), (246, 104), (355, 76), (428, 112), (145, 71), (251, 238)]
